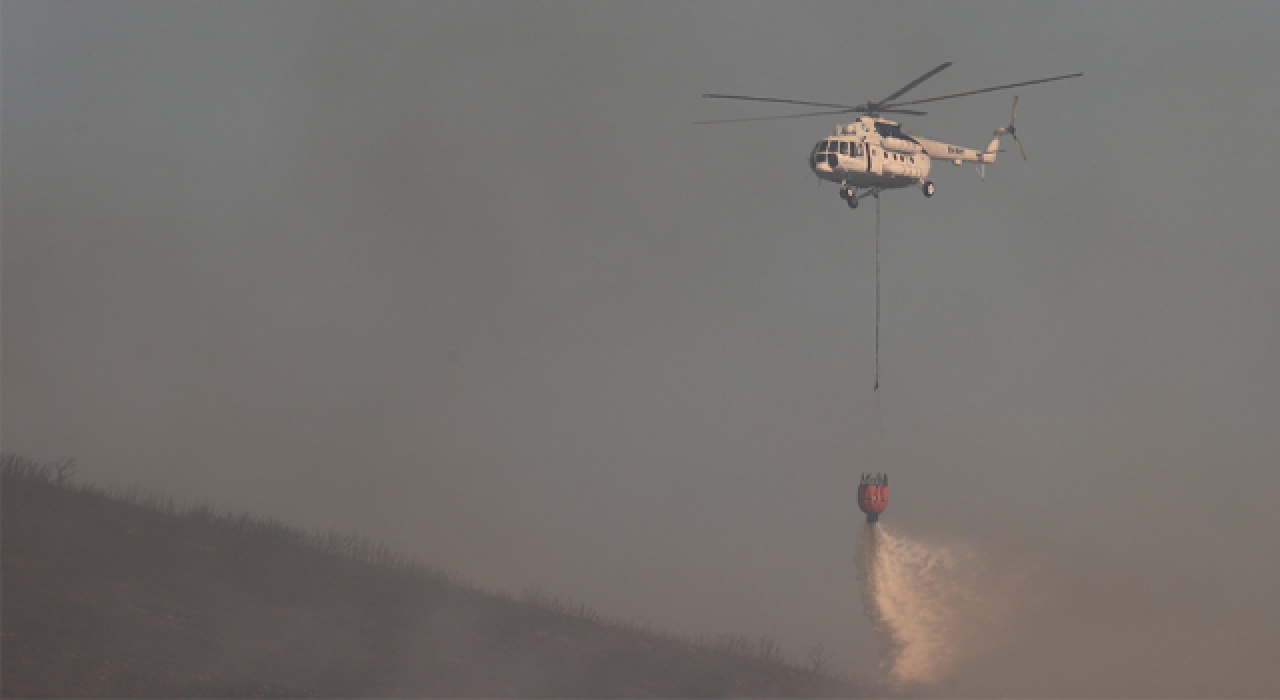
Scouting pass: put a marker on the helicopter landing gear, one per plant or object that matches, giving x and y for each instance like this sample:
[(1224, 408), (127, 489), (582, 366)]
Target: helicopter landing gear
[(849, 195), (927, 188)]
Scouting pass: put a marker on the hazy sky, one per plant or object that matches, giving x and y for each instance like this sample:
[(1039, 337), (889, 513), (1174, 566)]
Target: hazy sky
[(464, 277)]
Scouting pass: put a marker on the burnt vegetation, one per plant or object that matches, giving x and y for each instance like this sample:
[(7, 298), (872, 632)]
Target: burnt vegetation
[(119, 592)]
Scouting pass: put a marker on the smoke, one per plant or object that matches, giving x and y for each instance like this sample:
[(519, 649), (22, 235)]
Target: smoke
[(936, 606)]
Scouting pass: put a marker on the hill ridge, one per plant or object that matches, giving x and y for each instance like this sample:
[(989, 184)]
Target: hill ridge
[(120, 592)]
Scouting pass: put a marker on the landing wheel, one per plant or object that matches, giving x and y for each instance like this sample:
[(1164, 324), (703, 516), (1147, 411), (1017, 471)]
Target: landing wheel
[(928, 188), (852, 200)]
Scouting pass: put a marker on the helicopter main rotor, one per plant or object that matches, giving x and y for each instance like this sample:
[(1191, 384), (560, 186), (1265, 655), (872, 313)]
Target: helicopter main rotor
[(871, 108)]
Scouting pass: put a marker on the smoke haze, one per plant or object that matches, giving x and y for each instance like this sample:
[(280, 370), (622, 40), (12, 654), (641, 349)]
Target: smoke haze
[(464, 278)]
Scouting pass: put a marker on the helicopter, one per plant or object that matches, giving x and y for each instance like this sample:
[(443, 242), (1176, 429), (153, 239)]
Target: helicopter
[(872, 154)]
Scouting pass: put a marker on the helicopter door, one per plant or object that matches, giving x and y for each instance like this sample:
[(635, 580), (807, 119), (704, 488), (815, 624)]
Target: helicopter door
[(875, 158)]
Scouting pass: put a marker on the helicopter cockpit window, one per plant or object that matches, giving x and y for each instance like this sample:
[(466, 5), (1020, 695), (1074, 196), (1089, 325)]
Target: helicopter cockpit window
[(844, 148)]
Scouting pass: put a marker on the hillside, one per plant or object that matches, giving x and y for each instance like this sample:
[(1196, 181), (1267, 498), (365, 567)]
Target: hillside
[(107, 597)]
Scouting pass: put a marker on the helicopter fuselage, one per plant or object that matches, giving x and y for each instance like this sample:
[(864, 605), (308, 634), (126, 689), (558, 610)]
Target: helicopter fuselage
[(875, 153)]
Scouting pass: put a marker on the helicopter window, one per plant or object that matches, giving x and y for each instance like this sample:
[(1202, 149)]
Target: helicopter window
[(890, 130), (826, 146), (844, 148)]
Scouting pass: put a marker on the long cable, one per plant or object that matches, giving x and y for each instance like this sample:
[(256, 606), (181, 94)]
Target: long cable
[(876, 390), (877, 386)]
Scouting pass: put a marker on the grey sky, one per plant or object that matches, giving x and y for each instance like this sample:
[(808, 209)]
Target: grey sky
[(465, 278)]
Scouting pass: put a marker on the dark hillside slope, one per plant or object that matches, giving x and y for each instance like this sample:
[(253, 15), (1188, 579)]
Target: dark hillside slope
[(105, 598)]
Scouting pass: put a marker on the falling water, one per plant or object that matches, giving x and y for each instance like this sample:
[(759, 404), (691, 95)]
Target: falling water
[(933, 606)]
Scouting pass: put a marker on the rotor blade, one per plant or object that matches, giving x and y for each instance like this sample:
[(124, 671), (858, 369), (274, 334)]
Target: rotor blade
[(714, 96), (912, 112), (916, 82), (784, 116), (1024, 153), (990, 89)]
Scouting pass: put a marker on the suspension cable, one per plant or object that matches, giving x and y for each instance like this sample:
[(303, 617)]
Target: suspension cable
[(878, 455)]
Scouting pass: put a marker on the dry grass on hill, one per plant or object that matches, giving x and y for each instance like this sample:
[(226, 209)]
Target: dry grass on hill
[(122, 594)]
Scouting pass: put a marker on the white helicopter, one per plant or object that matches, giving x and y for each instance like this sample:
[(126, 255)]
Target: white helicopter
[(875, 154)]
